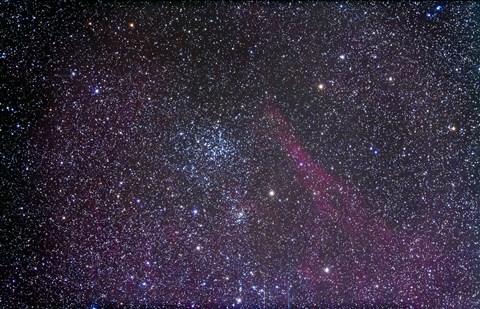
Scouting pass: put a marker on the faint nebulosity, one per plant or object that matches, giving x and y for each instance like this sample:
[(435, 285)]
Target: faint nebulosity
[(261, 154)]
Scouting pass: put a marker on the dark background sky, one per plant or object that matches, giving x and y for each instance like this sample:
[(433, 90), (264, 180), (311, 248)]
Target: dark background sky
[(240, 154)]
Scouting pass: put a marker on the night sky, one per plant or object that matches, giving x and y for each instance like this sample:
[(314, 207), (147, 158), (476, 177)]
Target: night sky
[(239, 155)]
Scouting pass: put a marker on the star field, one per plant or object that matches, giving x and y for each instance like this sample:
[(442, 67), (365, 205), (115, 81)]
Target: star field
[(240, 155)]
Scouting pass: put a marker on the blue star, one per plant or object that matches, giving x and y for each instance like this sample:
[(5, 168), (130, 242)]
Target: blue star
[(373, 149)]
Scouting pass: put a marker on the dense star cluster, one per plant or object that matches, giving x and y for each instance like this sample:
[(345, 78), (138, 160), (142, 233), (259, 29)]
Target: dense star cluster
[(261, 154)]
